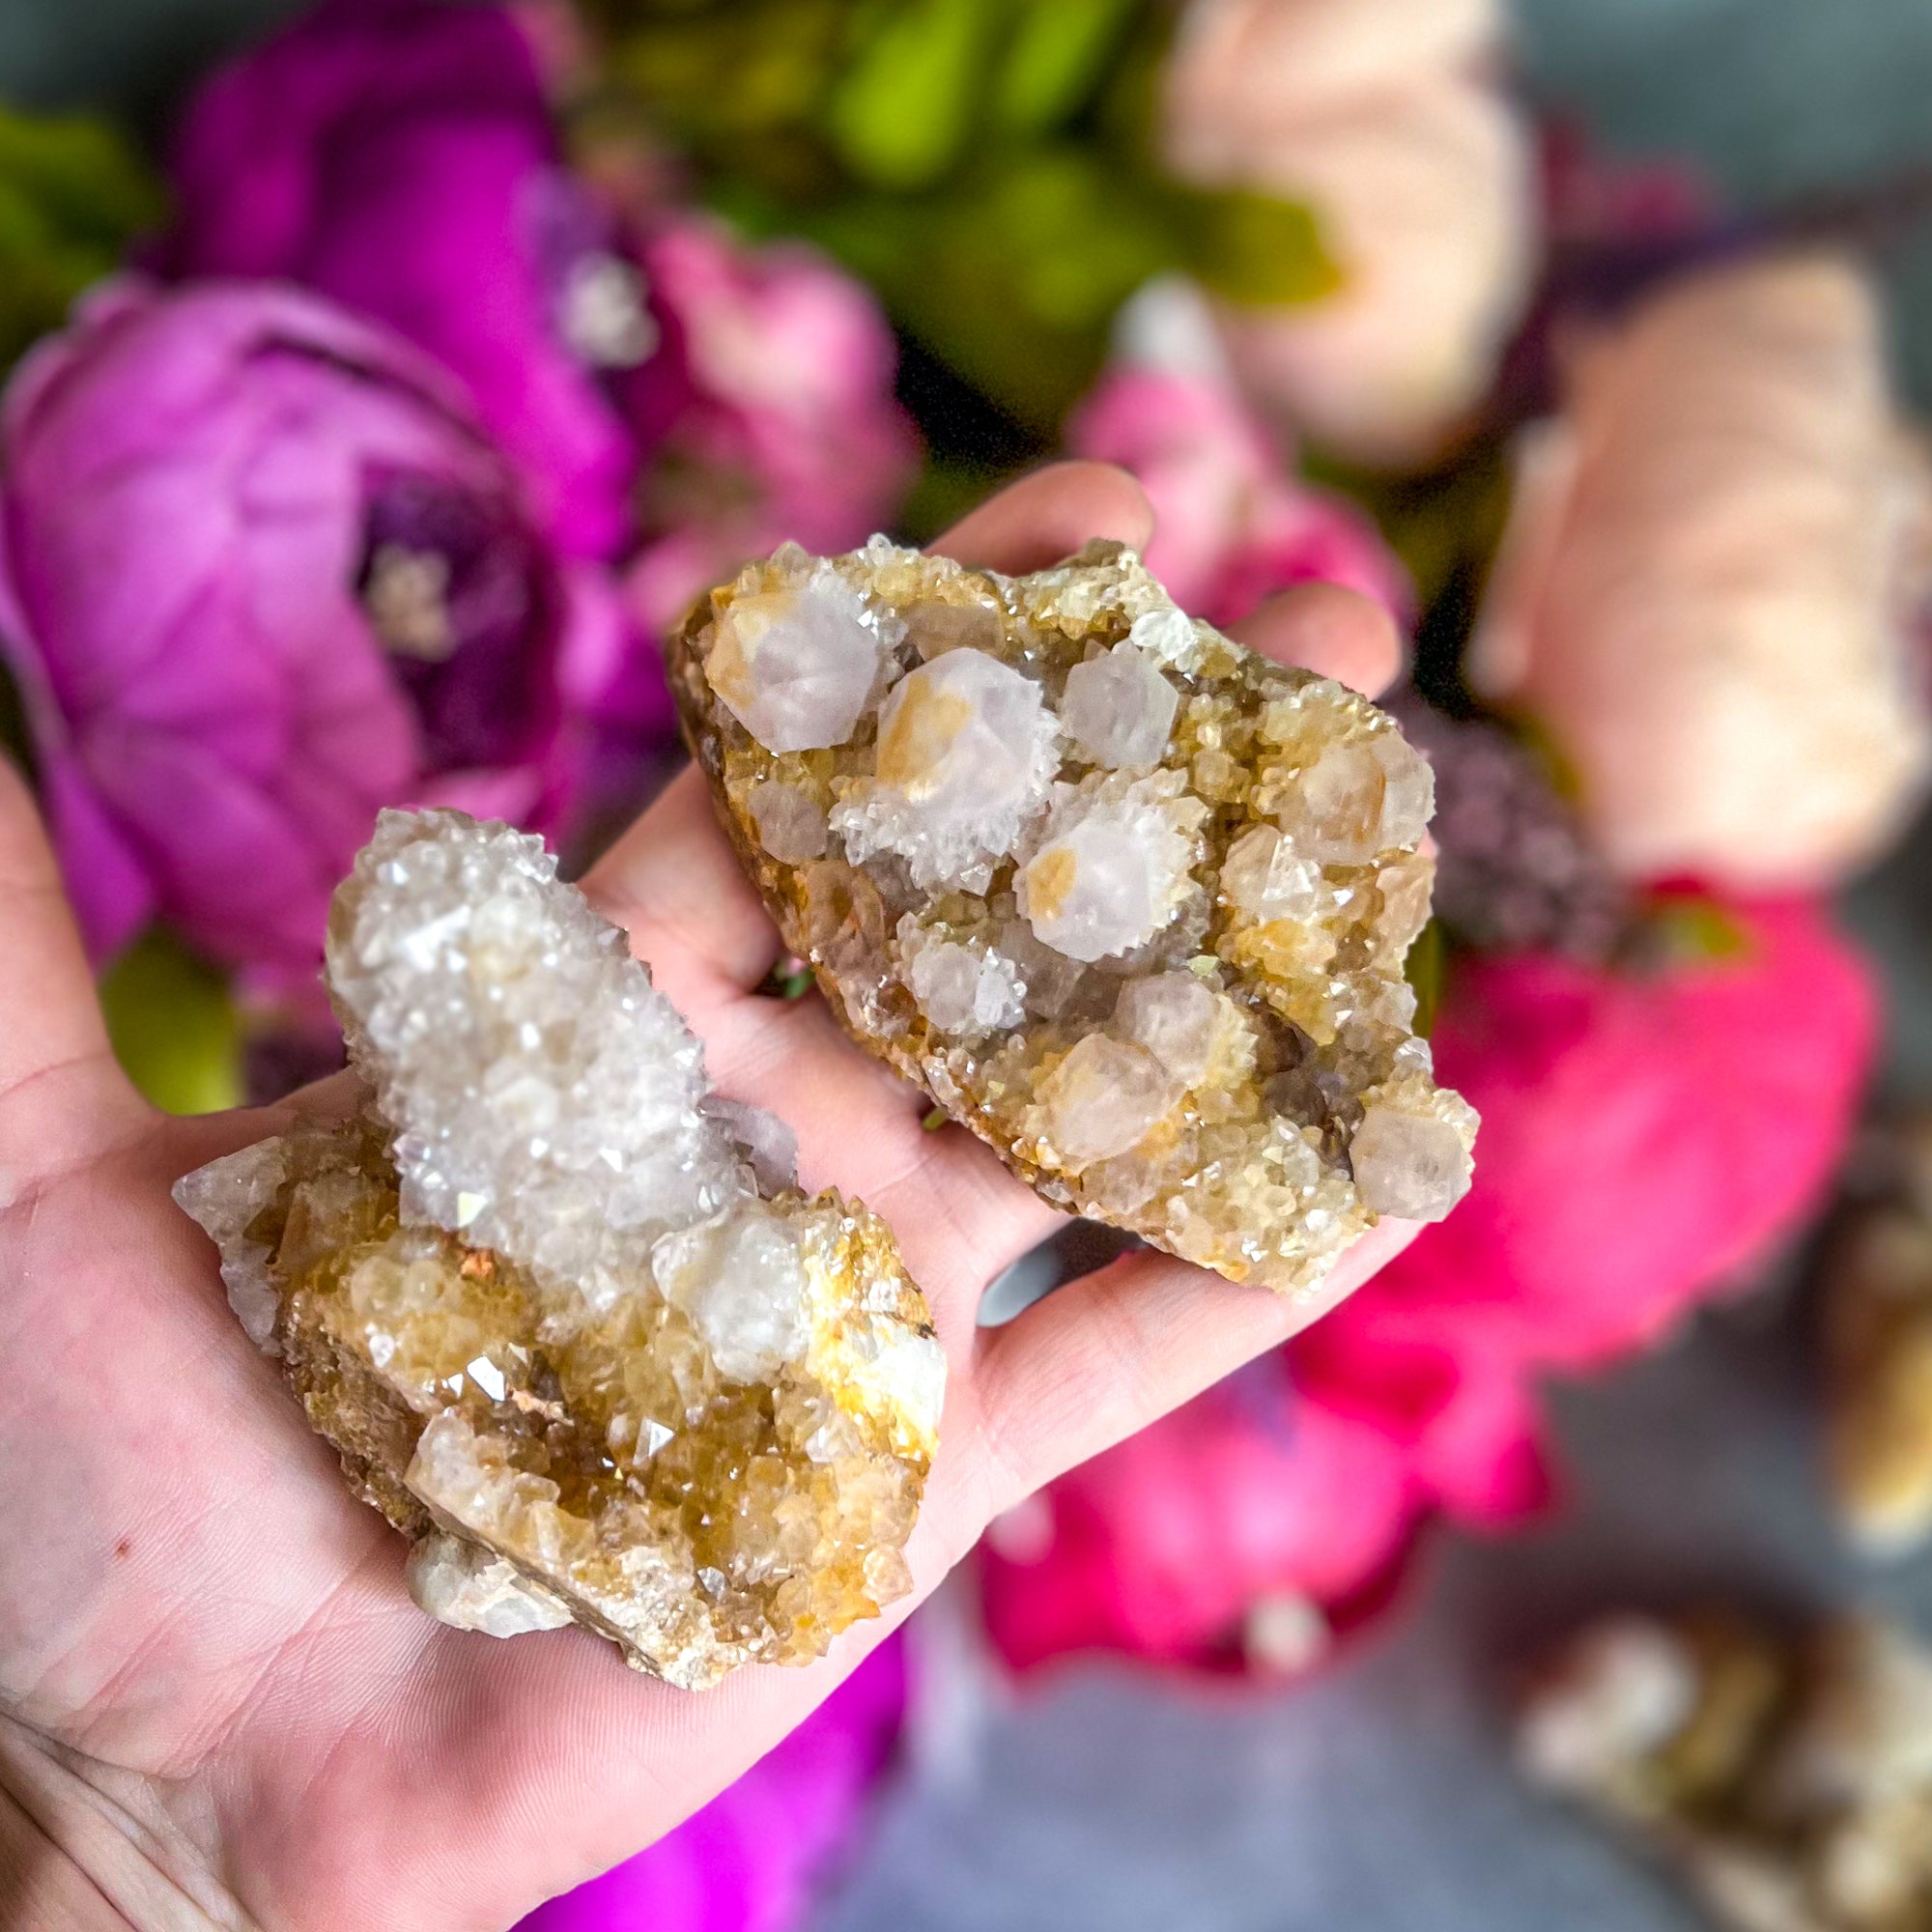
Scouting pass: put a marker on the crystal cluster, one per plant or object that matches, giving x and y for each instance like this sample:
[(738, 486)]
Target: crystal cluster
[(1876, 1293), (565, 1316), (1128, 900), (1789, 1780)]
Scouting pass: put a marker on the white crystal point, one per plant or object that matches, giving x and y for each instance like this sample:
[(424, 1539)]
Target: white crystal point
[(1408, 1164), (790, 822), (1101, 1100), (224, 1197), (1110, 867), (1173, 1016), (1118, 709), (1263, 877), (764, 1140), (463, 1584), (797, 665), (960, 989), (966, 752), (740, 1279), (1356, 801), (547, 1099)]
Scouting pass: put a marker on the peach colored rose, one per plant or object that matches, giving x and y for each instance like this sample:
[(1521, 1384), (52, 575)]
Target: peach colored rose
[(1714, 590), (1385, 117)]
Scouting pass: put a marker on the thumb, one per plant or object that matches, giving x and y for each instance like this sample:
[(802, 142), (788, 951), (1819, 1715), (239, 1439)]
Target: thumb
[(61, 1093)]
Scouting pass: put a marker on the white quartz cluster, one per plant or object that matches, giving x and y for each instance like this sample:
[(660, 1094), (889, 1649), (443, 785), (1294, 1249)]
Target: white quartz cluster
[(548, 1100)]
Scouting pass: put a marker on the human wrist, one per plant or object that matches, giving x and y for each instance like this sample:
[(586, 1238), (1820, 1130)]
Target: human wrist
[(85, 1847)]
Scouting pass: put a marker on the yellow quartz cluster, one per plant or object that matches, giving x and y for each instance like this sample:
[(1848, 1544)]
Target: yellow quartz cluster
[(619, 1381), (1128, 900)]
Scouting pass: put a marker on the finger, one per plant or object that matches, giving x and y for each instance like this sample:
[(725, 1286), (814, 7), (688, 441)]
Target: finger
[(674, 882), (53, 1042), (959, 1216), (1106, 1355), (1048, 514), (1326, 627)]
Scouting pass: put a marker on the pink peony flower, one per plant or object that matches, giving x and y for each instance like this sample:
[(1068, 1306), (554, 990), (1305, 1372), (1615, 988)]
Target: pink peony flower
[(749, 1861), (1256, 1521), (787, 426), (1714, 592), (261, 573), (1231, 523), (1386, 120), (398, 157), (1648, 1138)]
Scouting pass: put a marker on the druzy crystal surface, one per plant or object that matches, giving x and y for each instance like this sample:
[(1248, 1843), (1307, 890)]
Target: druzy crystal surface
[(564, 1314), (1128, 900)]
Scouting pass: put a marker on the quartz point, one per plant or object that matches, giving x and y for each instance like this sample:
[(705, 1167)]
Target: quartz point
[(563, 1314), (1125, 899)]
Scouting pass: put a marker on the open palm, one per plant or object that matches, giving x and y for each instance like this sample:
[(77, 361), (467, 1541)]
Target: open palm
[(217, 1704)]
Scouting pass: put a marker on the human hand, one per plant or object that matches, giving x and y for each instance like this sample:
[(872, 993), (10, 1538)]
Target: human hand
[(217, 1704)]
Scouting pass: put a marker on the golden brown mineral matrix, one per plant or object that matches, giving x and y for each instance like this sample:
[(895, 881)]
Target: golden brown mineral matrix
[(1876, 1296), (563, 1314), (1786, 1777), (1125, 899)]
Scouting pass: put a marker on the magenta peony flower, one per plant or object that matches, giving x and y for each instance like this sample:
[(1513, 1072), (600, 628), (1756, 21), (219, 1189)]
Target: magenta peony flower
[(1647, 1139), (786, 425), (749, 1861), (261, 573), (1254, 1524), (1232, 523), (398, 156)]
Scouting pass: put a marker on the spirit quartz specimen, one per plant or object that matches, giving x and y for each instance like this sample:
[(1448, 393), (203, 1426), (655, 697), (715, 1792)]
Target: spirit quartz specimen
[(1128, 900), (565, 1316)]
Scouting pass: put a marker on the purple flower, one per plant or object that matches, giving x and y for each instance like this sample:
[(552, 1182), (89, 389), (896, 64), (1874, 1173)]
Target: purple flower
[(748, 1862), (398, 156), (261, 573)]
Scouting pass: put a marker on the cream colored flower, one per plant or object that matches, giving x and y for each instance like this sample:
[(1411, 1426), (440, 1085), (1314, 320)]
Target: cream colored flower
[(1714, 588), (1383, 117)]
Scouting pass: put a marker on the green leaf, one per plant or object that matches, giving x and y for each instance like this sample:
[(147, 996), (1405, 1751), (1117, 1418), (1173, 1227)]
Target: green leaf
[(1253, 248), (1689, 931), (899, 115), (72, 193), (173, 1026), (1055, 61), (1011, 277)]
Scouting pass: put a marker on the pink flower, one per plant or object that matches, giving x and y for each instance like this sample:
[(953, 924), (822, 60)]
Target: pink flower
[(262, 572), (749, 1861), (1385, 119), (1231, 523), (1648, 1138), (787, 426), (398, 157), (1256, 1521), (1714, 592)]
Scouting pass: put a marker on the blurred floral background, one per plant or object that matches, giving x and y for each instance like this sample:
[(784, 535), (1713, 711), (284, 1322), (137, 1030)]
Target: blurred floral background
[(386, 375)]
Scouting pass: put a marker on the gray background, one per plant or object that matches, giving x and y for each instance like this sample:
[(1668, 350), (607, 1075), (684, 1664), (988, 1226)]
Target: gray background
[(1379, 1797)]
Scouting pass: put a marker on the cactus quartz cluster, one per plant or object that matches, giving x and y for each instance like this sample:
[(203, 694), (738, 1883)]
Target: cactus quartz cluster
[(1124, 898), (565, 1316)]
